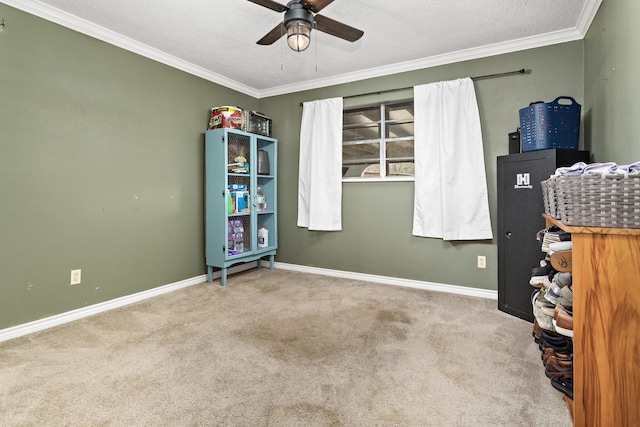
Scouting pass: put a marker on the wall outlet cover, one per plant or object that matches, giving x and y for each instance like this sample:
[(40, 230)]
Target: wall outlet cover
[(76, 277), (482, 261)]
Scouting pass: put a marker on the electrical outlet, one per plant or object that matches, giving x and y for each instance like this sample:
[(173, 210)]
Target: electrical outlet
[(482, 261), (76, 276)]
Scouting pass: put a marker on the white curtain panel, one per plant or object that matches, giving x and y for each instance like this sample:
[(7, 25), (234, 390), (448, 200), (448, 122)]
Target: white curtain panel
[(450, 200), (320, 167)]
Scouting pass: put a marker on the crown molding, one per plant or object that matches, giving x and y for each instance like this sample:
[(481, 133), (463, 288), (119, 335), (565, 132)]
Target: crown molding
[(429, 62), (587, 16), (585, 19), (78, 24)]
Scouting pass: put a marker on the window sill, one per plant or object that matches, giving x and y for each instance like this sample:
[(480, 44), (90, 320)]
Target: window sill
[(387, 179)]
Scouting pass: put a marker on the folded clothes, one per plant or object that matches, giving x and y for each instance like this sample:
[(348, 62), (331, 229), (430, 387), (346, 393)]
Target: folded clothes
[(575, 169), (632, 169), (604, 168)]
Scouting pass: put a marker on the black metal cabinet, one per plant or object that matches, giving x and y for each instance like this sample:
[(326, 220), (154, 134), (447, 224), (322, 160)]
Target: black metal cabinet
[(520, 211)]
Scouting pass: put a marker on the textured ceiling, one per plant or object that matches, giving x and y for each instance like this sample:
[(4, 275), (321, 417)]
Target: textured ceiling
[(216, 39)]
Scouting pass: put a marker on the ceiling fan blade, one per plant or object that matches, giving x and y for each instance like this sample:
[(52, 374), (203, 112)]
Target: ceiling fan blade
[(316, 6), (272, 36), (270, 4), (338, 29)]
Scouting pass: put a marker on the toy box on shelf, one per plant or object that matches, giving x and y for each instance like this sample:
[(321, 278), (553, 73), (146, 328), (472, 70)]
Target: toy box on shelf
[(226, 117)]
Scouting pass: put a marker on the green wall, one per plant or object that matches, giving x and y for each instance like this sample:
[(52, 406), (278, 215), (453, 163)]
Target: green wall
[(101, 168), (612, 61), (377, 217)]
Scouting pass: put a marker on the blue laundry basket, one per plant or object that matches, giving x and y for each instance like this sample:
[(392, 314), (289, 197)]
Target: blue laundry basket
[(546, 125)]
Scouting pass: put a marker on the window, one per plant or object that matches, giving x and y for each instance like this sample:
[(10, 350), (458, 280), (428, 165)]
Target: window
[(377, 141)]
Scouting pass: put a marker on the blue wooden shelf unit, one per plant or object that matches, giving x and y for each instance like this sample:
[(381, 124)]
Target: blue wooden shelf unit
[(240, 198)]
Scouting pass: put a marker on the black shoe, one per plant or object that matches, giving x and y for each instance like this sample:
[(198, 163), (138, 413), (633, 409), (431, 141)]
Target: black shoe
[(563, 385), (553, 338), (559, 343), (539, 273)]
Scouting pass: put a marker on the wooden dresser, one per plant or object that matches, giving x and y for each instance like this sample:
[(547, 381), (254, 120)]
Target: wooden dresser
[(606, 323)]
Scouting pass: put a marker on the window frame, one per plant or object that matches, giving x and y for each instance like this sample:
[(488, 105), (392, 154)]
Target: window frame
[(382, 124)]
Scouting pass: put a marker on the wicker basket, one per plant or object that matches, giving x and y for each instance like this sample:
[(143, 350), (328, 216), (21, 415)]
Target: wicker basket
[(599, 200), (550, 197)]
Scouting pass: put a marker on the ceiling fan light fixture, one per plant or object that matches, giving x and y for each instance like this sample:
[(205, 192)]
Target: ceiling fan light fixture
[(298, 35), (298, 22), (300, 17)]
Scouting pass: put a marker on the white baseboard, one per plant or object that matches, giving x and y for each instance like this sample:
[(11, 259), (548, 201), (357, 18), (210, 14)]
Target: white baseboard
[(418, 284), (80, 313)]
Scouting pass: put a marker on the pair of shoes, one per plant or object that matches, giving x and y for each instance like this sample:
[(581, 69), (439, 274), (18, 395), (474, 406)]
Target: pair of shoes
[(554, 284), (553, 337), (553, 340), (539, 273), (563, 321), (549, 352), (557, 368), (546, 307), (545, 322), (564, 385)]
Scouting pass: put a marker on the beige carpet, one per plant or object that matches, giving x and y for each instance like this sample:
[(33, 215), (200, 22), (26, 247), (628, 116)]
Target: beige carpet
[(283, 349)]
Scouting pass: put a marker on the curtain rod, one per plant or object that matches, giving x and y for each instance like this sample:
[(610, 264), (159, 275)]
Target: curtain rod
[(486, 76)]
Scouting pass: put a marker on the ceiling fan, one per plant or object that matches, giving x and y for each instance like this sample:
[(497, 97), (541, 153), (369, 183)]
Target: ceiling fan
[(299, 18)]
